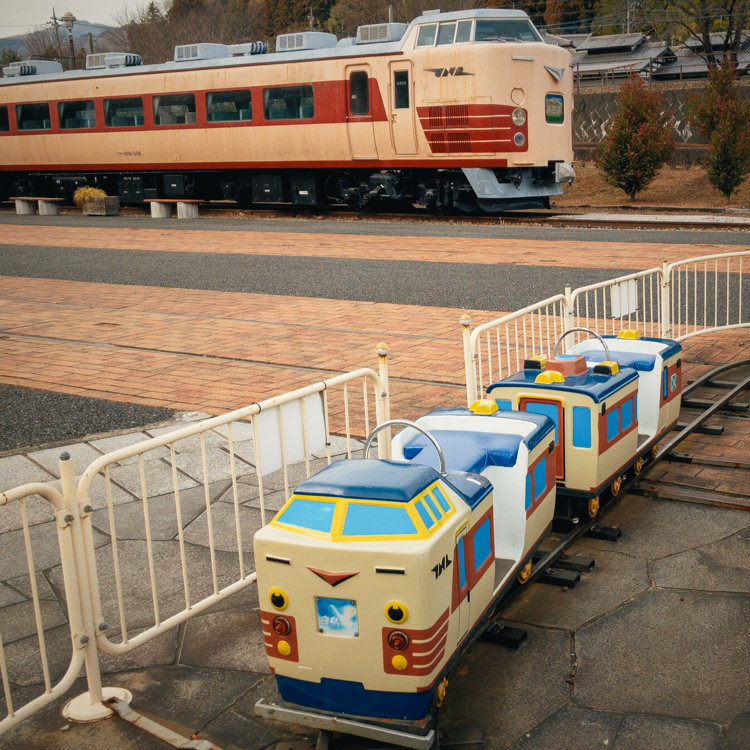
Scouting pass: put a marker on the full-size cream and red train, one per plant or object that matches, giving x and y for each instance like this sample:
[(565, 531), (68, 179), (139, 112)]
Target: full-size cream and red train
[(466, 109)]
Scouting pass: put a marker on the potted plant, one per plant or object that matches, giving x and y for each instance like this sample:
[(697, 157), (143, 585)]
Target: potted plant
[(95, 202)]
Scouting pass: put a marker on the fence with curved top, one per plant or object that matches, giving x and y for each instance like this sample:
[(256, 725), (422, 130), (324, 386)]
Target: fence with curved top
[(676, 300)]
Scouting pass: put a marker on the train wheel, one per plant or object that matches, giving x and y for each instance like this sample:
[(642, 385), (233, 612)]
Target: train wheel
[(593, 506), (616, 487), (525, 573), (638, 465), (654, 450)]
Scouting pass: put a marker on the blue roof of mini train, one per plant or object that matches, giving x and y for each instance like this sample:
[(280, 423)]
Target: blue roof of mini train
[(370, 479), (389, 481), (596, 387)]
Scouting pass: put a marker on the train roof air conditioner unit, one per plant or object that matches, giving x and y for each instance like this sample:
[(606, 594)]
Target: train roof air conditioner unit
[(305, 40), (100, 60), (31, 68), (380, 32), (200, 51)]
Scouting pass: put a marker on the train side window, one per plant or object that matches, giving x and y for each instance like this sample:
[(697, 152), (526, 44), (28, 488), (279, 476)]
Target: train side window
[(401, 89), (288, 103), (463, 32), (432, 506), (123, 113), (33, 116), (74, 115), (174, 109), (613, 424), (226, 106), (482, 544), (427, 35), (540, 478), (581, 427), (4, 122), (446, 33), (528, 491), (423, 514), (627, 414), (359, 94)]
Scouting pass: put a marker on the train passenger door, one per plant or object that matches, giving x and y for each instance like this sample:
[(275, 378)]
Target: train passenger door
[(359, 127), (401, 107), (554, 410)]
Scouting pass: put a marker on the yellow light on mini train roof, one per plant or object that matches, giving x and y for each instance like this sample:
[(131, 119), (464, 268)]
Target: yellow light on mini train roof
[(629, 333)]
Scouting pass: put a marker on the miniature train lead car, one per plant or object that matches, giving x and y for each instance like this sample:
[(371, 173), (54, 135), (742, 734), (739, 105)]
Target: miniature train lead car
[(375, 573)]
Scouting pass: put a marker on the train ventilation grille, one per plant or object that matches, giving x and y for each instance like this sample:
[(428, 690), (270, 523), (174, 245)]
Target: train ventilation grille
[(451, 116), (450, 143)]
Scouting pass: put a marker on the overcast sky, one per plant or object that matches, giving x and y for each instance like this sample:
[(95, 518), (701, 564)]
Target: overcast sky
[(21, 16)]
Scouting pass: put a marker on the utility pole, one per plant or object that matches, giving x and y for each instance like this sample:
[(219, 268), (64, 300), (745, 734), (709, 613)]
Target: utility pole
[(57, 35)]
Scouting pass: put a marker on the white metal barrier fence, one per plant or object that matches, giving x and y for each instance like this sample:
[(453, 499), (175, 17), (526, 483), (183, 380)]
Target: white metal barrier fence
[(161, 530), (676, 300)]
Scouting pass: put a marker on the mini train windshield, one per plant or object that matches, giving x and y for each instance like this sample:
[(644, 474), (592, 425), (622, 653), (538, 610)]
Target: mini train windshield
[(508, 29)]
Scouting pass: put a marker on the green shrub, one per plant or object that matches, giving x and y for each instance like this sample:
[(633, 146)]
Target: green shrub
[(639, 138), (723, 117)]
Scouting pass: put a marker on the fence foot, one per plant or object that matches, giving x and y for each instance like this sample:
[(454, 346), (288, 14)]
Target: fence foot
[(82, 710)]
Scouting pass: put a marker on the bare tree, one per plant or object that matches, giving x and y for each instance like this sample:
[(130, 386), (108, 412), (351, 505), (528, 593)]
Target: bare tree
[(704, 18)]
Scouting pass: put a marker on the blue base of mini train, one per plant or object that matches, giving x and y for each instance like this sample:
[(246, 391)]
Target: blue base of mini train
[(343, 696)]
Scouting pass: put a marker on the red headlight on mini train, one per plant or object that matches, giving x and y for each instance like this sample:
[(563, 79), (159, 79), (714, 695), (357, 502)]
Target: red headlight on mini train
[(281, 626), (398, 640)]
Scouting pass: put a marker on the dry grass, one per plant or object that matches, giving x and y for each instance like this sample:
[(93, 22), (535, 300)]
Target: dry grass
[(673, 186)]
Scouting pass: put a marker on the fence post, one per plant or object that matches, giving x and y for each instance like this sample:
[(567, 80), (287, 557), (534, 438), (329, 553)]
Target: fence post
[(568, 312), (665, 323), (383, 404), (88, 706), (470, 372)]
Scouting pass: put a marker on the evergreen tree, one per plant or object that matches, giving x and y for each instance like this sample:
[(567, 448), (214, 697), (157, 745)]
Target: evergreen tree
[(723, 117), (639, 138)]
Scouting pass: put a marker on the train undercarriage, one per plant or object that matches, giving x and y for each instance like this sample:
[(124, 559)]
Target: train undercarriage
[(468, 190)]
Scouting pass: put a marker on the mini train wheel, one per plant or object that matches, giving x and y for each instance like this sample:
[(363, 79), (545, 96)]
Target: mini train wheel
[(638, 465), (593, 506), (616, 486), (440, 692), (654, 450), (525, 573)]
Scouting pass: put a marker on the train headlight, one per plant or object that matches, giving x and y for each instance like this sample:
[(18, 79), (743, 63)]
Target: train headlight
[(396, 612), (398, 640), (278, 598), (282, 626), (519, 139), (518, 117)]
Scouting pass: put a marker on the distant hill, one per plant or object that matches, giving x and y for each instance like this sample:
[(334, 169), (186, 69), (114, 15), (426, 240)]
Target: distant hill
[(80, 29)]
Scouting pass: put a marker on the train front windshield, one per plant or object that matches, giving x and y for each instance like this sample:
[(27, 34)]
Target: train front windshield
[(511, 30)]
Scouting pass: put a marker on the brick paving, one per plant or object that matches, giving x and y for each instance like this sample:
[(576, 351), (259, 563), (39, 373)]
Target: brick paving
[(213, 351)]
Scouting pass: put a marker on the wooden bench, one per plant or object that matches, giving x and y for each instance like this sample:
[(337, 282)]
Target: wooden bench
[(27, 206), (161, 208)]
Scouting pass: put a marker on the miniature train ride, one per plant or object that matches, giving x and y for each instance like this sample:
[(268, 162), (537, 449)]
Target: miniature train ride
[(377, 575)]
